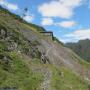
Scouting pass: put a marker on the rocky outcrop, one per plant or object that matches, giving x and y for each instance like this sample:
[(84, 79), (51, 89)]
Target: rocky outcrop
[(3, 33)]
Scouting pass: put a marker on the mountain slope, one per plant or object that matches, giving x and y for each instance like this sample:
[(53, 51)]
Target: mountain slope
[(21, 49), (82, 48)]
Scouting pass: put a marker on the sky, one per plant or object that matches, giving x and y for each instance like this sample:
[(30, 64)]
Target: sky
[(69, 20)]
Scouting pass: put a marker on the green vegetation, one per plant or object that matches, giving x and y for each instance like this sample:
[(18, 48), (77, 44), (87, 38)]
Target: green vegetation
[(5, 11), (65, 79), (19, 75), (55, 39), (84, 63), (80, 60), (81, 48), (14, 71)]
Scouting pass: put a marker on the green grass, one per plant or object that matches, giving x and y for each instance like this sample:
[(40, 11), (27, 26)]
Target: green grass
[(80, 60), (64, 79), (17, 17), (19, 75), (85, 63)]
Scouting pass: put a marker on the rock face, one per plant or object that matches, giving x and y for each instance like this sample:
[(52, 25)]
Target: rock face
[(44, 58), (56, 53), (30, 48), (3, 33)]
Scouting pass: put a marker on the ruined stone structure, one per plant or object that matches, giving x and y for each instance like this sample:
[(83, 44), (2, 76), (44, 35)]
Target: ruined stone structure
[(48, 34)]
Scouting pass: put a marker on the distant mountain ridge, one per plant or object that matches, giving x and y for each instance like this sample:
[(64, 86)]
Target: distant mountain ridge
[(82, 48)]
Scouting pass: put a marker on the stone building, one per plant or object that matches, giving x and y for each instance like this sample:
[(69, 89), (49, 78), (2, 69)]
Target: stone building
[(49, 34)]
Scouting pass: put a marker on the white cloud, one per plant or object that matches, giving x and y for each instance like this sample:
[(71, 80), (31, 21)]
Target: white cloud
[(60, 8), (64, 40), (29, 18), (76, 36), (71, 3), (67, 24), (1, 2), (47, 21), (12, 7), (55, 9), (79, 34), (9, 6)]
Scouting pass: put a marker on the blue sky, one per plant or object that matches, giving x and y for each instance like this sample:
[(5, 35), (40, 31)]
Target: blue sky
[(68, 19)]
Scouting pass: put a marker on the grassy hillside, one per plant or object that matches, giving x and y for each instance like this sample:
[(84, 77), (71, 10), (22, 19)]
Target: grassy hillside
[(64, 79), (21, 66), (19, 75), (82, 48)]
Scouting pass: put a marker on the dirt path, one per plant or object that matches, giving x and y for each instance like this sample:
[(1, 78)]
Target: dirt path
[(44, 70), (45, 85), (47, 79)]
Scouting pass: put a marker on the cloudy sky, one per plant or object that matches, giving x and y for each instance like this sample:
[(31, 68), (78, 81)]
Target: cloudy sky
[(68, 19)]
